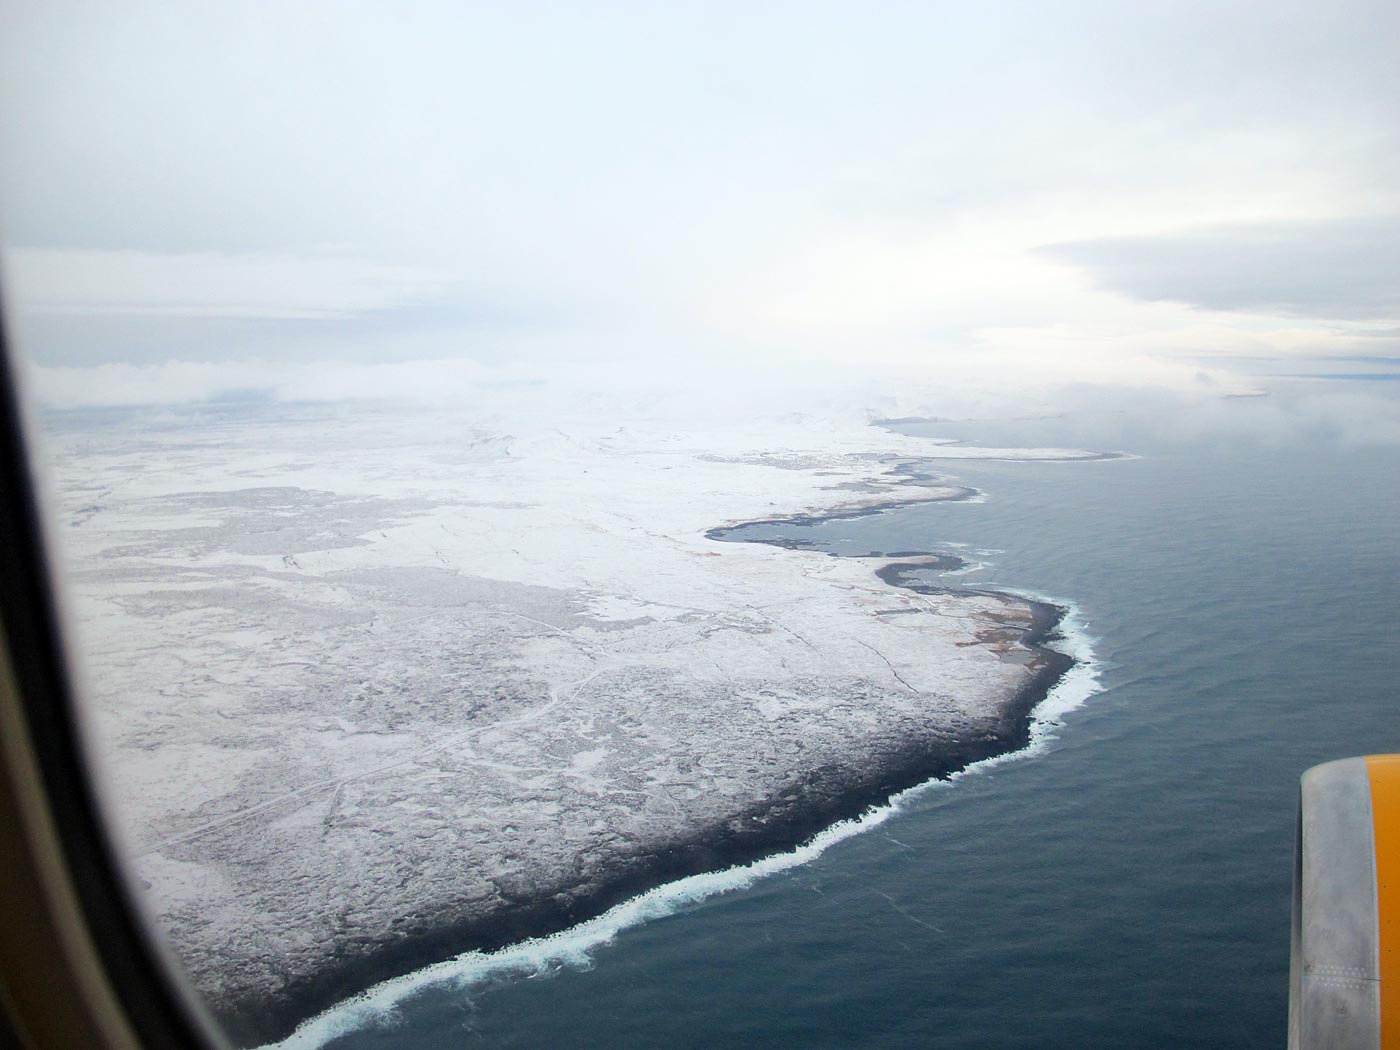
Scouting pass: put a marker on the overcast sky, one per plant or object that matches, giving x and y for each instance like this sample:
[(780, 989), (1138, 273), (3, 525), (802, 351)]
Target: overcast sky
[(1111, 192)]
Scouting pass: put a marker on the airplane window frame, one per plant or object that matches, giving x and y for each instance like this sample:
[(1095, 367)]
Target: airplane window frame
[(65, 893)]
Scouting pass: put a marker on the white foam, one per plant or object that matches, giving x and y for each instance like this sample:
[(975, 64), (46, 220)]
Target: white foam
[(1073, 689), (968, 567), (575, 946)]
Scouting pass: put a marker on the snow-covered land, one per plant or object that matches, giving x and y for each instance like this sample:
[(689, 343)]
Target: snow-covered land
[(376, 686)]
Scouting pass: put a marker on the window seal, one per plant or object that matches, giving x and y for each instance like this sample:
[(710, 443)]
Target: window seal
[(160, 1010)]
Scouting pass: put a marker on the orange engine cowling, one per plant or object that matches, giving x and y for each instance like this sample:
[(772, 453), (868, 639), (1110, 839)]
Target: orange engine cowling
[(1345, 969)]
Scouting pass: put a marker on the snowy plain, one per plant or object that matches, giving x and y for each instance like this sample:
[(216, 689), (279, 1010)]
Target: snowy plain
[(375, 685)]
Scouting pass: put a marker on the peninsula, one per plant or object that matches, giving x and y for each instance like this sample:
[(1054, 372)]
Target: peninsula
[(372, 689)]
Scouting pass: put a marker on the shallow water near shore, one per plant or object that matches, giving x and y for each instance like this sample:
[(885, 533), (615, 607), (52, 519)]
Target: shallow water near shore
[(1128, 885)]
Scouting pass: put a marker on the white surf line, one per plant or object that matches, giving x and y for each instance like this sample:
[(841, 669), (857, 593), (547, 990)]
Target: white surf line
[(1072, 691), (575, 946)]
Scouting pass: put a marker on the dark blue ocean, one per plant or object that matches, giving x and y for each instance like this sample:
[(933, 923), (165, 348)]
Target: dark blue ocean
[(1128, 885)]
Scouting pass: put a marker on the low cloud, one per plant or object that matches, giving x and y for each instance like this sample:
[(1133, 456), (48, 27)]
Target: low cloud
[(1344, 269), (94, 306), (210, 284)]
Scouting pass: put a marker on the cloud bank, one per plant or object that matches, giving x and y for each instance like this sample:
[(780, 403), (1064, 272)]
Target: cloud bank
[(1346, 269), (808, 185)]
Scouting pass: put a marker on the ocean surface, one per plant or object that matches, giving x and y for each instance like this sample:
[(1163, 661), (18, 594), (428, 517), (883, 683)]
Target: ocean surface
[(1127, 884)]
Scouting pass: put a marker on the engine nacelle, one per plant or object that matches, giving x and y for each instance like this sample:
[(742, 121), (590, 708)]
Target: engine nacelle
[(1344, 989)]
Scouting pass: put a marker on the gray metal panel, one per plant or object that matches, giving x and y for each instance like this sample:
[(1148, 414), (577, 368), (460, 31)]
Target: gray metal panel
[(1335, 1000)]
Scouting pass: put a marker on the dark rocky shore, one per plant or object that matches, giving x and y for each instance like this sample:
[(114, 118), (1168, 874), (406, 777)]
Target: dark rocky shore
[(810, 802)]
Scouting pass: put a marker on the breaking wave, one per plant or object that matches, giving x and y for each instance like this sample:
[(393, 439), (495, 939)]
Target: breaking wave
[(575, 947)]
